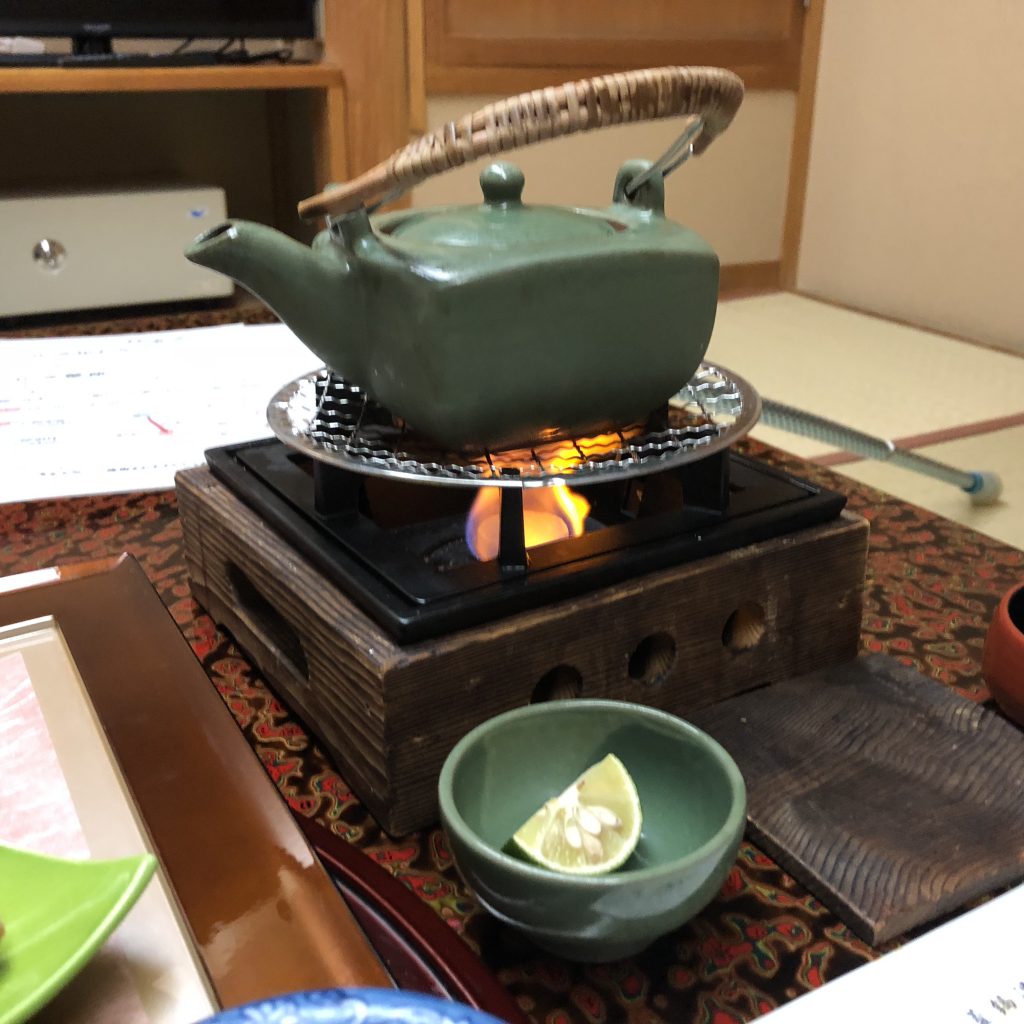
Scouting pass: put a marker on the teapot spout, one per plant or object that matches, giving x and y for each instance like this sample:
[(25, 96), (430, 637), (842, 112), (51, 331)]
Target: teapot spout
[(312, 290)]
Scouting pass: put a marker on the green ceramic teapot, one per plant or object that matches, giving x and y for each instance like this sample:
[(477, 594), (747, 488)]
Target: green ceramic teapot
[(500, 323)]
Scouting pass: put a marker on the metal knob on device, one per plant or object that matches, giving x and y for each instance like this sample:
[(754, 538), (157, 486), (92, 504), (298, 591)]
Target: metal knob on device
[(49, 254)]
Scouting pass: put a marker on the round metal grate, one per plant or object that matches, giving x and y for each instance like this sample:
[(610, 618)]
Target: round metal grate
[(334, 421)]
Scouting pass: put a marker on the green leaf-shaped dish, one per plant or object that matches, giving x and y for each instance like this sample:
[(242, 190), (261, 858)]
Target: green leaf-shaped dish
[(56, 915)]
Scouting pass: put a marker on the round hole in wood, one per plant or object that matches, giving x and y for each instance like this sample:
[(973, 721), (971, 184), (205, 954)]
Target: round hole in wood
[(745, 628), (653, 658), (563, 682)]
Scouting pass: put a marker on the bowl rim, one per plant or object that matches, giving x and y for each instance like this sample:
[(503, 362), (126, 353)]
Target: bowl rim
[(736, 816), (322, 1002)]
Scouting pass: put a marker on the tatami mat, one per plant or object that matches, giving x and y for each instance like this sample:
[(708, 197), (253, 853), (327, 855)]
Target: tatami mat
[(1001, 452), (880, 377), (891, 381)]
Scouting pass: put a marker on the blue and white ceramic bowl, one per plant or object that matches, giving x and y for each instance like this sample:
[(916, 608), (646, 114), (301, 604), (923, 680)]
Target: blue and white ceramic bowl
[(353, 1006)]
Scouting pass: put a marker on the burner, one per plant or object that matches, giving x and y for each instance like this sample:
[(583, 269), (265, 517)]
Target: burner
[(416, 577)]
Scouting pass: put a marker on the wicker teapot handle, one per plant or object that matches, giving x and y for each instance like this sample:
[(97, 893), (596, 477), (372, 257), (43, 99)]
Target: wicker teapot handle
[(713, 94)]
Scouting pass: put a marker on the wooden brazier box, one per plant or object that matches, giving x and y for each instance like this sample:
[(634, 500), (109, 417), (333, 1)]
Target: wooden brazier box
[(678, 639)]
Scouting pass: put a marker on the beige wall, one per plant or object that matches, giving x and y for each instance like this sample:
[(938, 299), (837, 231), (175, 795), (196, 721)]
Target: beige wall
[(915, 198), (734, 195)]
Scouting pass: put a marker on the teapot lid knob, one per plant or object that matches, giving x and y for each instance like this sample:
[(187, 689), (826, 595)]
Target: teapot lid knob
[(502, 183)]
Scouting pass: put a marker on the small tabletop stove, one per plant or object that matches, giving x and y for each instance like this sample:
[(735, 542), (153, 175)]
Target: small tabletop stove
[(381, 581), (383, 512)]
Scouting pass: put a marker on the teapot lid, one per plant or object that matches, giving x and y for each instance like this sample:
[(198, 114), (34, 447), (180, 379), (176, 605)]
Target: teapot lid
[(503, 220)]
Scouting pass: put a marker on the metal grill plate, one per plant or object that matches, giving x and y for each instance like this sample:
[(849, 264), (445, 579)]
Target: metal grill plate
[(336, 422)]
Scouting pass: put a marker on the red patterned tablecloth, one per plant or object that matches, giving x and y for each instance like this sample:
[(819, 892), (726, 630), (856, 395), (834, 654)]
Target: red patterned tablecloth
[(932, 586)]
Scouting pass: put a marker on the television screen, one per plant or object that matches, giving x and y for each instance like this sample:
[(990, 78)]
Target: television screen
[(211, 19)]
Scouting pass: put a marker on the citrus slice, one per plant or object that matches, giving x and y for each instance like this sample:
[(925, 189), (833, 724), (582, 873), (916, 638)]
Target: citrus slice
[(589, 829)]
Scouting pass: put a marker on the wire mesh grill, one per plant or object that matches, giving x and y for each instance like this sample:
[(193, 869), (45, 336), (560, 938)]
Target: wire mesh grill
[(335, 421)]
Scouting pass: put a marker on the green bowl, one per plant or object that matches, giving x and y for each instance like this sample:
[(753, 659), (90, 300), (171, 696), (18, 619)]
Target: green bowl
[(691, 794), (58, 913)]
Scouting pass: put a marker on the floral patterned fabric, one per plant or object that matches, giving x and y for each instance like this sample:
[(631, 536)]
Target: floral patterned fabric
[(931, 588)]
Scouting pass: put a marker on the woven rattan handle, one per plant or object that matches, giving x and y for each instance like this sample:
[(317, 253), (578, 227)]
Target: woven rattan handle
[(711, 93)]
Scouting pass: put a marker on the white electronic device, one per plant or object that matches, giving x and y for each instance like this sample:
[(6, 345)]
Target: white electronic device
[(89, 250)]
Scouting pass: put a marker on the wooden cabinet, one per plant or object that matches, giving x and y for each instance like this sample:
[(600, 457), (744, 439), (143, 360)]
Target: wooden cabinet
[(357, 112), (326, 79), (509, 47)]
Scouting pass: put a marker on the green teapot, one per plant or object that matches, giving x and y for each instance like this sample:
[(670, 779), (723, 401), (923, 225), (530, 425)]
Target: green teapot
[(503, 323)]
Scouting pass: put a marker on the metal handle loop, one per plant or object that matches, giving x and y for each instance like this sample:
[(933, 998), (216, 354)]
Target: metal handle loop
[(675, 156)]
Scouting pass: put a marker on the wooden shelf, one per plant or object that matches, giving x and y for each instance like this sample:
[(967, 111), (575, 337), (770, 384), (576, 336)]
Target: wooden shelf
[(149, 79), (357, 110)]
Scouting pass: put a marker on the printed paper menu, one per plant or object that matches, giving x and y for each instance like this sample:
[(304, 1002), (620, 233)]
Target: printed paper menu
[(970, 969), (124, 412)]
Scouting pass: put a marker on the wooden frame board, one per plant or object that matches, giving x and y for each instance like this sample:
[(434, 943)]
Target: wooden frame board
[(263, 913), (478, 48), (267, 901), (893, 799)]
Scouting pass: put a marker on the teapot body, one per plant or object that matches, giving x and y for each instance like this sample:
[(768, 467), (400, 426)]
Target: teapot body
[(570, 333), (555, 345)]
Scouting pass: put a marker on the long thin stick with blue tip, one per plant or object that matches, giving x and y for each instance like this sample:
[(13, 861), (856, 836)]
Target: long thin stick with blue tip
[(983, 487)]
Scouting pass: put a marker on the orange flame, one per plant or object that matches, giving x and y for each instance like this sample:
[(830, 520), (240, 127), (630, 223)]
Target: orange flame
[(561, 456), (549, 514)]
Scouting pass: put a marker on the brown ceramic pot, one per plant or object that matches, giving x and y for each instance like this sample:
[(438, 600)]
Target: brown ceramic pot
[(1002, 663)]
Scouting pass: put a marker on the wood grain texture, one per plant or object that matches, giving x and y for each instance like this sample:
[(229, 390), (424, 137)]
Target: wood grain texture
[(389, 714), (247, 76), (473, 47), (890, 797), (738, 279), (330, 125), (367, 39), (499, 80), (415, 36), (800, 151)]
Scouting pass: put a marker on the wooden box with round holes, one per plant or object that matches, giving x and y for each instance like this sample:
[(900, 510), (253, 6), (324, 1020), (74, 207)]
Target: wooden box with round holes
[(678, 639)]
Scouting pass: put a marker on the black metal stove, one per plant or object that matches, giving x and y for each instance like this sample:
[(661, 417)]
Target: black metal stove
[(365, 502), (398, 549)]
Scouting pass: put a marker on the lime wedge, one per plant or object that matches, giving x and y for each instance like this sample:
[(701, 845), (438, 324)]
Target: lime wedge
[(591, 828)]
